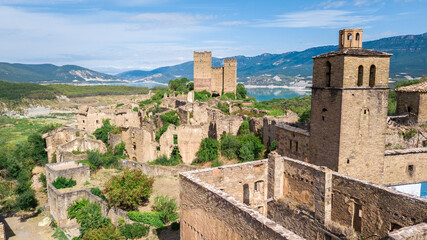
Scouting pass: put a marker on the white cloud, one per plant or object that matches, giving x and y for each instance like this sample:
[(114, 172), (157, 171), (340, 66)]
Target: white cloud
[(332, 4), (167, 20), (233, 23), (320, 18)]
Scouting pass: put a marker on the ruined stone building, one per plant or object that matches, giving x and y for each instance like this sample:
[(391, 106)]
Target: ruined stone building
[(412, 100), (318, 188), (347, 132), (283, 198), (217, 80)]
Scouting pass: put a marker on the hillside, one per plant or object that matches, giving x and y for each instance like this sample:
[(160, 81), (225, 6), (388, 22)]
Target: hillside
[(48, 73), (409, 57)]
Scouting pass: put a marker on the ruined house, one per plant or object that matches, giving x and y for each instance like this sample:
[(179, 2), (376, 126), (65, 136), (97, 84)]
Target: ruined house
[(412, 100), (347, 132), (216, 80), (283, 198)]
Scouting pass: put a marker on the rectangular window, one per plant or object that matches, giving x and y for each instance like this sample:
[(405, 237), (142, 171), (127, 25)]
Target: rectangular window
[(296, 146), (357, 217), (290, 145)]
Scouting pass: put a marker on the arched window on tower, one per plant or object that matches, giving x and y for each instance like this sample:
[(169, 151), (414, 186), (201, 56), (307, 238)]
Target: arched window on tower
[(360, 76), (349, 36), (328, 74), (372, 73), (357, 36)]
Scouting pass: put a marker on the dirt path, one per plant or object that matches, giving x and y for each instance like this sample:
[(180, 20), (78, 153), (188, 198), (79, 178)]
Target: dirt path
[(27, 229)]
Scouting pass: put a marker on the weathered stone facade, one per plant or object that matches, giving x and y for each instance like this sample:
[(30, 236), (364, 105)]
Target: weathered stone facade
[(296, 198), (412, 100), (74, 170), (64, 152), (217, 80)]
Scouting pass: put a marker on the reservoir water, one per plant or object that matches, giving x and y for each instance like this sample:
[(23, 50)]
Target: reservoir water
[(259, 93)]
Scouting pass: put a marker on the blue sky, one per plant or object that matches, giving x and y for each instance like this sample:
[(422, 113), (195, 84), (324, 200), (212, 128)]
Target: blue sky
[(114, 36)]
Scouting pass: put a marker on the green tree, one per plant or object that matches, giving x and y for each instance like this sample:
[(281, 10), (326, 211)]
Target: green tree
[(179, 85), (134, 230), (119, 149), (208, 150), (95, 160), (246, 152), (167, 208), (202, 96), (102, 132), (106, 232), (241, 92), (229, 145), (129, 189), (244, 127)]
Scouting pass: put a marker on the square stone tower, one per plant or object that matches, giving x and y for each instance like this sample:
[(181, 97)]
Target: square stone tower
[(349, 108), (202, 71), (230, 75)]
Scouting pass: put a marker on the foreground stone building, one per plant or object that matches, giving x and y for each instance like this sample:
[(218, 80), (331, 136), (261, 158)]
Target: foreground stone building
[(347, 132), (413, 100), (283, 198), (217, 80)]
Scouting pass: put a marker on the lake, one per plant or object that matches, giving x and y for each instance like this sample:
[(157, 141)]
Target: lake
[(259, 93)]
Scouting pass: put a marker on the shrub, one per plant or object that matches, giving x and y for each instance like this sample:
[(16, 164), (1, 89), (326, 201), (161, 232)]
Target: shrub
[(133, 231), (62, 182), (26, 200), (223, 107), (244, 128), (106, 232), (305, 116), (252, 143), (150, 218), (228, 96), (42, 179), (95, 160), (246, 152), (135, 109), (110, 160), (129, 189), (168, 118), (208, 150), (174, 160), (166, 207), (408, 134), (216, 163), (88, 215), (229, 145), (273, 145), (96, 191), (202, 96), (180, 85)]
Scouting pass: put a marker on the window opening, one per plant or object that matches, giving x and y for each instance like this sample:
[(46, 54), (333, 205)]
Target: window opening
[(372, 73), (246, 194), (360, 76)]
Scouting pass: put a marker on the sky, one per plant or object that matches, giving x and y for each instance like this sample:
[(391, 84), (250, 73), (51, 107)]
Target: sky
[(114, 36)]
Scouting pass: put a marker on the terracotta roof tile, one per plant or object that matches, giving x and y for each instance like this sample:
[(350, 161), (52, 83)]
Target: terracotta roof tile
[(420, 87), (354, 52)]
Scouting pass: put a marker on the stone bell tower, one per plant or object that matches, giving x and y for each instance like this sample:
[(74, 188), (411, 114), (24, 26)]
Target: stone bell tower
[(349, 108)]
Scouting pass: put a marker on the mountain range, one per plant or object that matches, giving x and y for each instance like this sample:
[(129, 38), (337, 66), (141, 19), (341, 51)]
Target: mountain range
[(294, 68)]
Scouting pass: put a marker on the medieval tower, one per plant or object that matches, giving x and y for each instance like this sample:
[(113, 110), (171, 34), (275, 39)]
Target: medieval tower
[(217, 80), (349, 108)]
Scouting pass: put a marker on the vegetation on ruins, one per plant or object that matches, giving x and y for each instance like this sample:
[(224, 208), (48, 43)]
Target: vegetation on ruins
[(119, 149), (208, 150), (134, 230), (408, 134), (89, 216), (175, 159), (168, 118), (216, 163), (106, 232), (223, 107), (299, 105), (96, 191), (63, 182), (202, 96), (129, 189), (102, 132), (97, 160), (165, 210), (241, 92)]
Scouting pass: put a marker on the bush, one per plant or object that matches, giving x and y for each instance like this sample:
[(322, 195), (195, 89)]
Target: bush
[(129, 189), (110, 160), (42, 179), (95, 160), (208, 150), (135, 109), (244, 127), (102, 132), (228, 96), (62, 182), (273, 145), (254, 144), (88, 215), (150, 218), (246, 152), (166, 207), (119, 149), (96, 191), (134, 230), (229, 145), (174, 160), (202, 96), (223, 107), (216, 163), (106, 232), (180, 85), (26, 200), (168, 118)]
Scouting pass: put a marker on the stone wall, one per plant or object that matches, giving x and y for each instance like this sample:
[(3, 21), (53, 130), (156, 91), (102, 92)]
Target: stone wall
[(79, 145), (417, 232), (225, 124), (202, 70), (269, 126), (209, 213), (74, 170), (2, 232), (217, 80), (405, 166), (61, 136), (60, 201), (157, 170), (292, 142), (412, 103), (141, 143), (230, 75)]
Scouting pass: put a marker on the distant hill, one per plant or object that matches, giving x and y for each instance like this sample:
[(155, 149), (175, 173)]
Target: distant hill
[(409, 60), (48, 73)]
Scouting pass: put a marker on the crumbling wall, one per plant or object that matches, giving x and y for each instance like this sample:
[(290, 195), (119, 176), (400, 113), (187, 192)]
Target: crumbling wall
[(157, 170), (292, 142), (269, 126), (60, 136), (209, 213), (79, 145), (140, 143), (407, 102), (225, 124), (114, 139), (416, 232), (78, 172), (405, 166)]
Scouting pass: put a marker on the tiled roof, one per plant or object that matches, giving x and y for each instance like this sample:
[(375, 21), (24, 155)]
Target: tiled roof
[(354, 52), (420, 87)]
